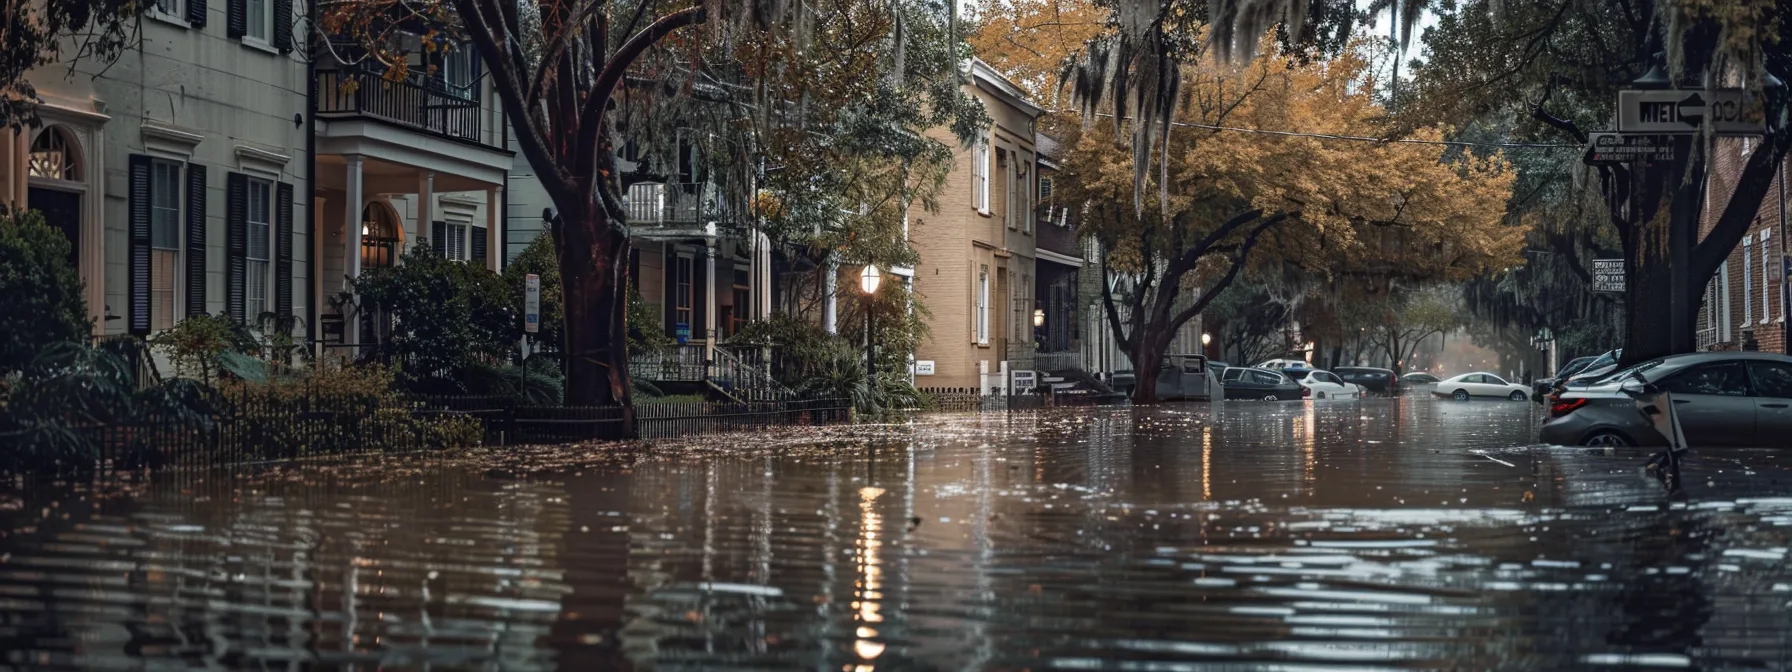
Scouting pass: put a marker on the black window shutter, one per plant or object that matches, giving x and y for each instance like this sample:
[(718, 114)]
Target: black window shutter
[(700, 296), (282, 25), (139, 257), (195, 239), (196, 13), (236, 246), (669, 291), (238, 20), (438, 238), (478, 246), (283, 250)]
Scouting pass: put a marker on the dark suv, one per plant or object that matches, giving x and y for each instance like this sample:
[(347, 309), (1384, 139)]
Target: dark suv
[(1380, 382)]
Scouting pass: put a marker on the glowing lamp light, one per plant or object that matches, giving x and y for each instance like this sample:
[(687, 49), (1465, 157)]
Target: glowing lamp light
[(869, 279), (1206, 339), (1038, 317)]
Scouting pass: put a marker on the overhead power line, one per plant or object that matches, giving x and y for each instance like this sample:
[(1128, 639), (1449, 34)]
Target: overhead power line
[(1365, 138)]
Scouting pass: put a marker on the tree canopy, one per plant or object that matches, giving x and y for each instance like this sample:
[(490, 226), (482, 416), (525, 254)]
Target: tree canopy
[(38, 33)]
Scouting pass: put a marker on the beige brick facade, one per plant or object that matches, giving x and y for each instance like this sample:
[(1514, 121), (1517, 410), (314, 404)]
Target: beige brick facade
[(977, 264)]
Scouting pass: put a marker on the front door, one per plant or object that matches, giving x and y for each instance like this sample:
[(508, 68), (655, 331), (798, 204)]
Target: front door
[(62, 211), (1713, 404)]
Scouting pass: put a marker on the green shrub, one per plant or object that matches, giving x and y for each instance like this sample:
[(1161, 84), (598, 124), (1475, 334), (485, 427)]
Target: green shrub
[(445, 315), (541, 259), (195, 345), (40, 291), (337, 410)]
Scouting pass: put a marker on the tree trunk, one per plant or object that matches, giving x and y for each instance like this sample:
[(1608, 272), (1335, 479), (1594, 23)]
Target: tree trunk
[(1147, 359), (594, 279)]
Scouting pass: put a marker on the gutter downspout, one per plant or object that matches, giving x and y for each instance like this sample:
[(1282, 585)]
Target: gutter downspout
[(1785, 292), (311, 260)]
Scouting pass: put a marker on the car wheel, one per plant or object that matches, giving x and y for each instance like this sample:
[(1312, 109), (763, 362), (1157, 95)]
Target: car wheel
[(1606, 439), (1271, 397), (1517, 396), (1459, 395)]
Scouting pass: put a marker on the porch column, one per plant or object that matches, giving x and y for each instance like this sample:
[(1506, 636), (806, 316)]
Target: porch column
[(426, 203), (351, 243), (763, 293), (494, 238), (9, 178), (709, 291), (830, 297)]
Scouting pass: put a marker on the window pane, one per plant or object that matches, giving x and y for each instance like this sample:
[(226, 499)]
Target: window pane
[(1721, 378), (258, 18), (164, 205), (163, 265), (1772, 379), (257, 294)]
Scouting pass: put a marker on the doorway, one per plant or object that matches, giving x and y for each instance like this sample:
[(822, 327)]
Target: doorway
[(62, 211)]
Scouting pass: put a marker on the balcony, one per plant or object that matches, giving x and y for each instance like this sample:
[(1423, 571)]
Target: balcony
[(673, 206), (415, 103)]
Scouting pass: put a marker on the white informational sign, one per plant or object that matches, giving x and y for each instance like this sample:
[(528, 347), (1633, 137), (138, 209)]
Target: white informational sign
[(1608, 275), (1725, 111), (532, 303), (1025, 380), (1609, 148), (923, 367)]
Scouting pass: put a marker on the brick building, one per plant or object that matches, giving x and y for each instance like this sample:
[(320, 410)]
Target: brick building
[(1747, 297)]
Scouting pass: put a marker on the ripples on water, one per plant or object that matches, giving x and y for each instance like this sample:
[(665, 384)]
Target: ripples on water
[(1374, 535)]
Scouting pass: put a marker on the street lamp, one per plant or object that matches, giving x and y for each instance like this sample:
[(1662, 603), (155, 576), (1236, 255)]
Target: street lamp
[(1206, 339), (868, 282), (1038, 317)]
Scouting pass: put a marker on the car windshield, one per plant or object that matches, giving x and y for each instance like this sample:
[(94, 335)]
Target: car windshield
[(1631, 371)]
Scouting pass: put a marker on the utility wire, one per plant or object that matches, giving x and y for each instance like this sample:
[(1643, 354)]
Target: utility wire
[(1364, 138)]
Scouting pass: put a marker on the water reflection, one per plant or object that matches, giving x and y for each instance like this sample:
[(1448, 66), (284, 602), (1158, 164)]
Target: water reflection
[(1374, 534)]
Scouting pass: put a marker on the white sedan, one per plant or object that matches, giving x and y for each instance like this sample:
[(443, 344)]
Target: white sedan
[(1316, 384), (1465, 386)]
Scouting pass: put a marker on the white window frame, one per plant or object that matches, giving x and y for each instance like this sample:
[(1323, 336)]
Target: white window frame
[(980, 176), (166, 317), (981, 318), (171, 11), (1023, 192), (1748, 282), (1766, 282), (257, 189), (1723, 293), (265, 25), (457, 240)]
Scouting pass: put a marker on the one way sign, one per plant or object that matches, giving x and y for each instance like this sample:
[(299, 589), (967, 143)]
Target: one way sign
[(1726, 111)]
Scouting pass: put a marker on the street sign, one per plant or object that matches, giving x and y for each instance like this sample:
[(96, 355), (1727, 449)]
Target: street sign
[(923, 367), (1025, 380), (1608, 275), (531, 303), (1605, 148), (682, 332), (1725, 111)]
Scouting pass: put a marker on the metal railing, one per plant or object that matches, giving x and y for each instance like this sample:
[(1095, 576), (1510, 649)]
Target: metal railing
[(676, 203), (415, 102), (742, 377), (1057, 361), (683, 364)]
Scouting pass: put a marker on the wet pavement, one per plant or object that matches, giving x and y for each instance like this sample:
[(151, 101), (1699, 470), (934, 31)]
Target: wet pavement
[(1382, 534)]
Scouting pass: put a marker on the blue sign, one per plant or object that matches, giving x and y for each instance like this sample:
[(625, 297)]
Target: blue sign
[(682, 331)]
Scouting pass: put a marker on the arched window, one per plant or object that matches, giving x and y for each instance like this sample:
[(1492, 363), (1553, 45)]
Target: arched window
[(53, 156), (379, 236)]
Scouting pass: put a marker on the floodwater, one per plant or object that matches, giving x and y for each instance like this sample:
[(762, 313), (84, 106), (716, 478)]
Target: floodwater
[(1382, 534)]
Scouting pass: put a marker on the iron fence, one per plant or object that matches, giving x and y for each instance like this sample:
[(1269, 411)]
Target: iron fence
[(261, 425), (412, 103)]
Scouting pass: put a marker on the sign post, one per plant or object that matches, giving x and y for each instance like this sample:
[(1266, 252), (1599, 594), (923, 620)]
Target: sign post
[(1608, 275), (531, 303)]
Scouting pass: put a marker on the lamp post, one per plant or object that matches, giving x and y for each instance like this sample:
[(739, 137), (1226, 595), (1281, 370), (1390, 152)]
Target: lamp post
[(868, 281)]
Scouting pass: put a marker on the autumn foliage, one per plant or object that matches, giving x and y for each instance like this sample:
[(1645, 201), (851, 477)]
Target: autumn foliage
[(1313, 194)]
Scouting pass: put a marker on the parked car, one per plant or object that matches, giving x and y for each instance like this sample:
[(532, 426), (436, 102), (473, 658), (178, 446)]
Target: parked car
[(1542, 386), (1721, 399), (1469, 385), (1279, 364), (1253, 383), (1597, 370), (1372, 380), (1419, 378), (1316, 384)]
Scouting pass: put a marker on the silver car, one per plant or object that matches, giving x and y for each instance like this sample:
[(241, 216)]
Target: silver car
[(1722, 399)]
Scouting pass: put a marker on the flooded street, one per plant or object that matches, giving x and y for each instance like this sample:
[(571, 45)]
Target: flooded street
[(1383, 534)]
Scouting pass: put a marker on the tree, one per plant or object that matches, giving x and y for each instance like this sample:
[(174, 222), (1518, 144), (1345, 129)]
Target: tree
[(446, 315), (1396, 324), (765, 70), (1031, 41), (40, 291), (1367, 211), (38, 33)]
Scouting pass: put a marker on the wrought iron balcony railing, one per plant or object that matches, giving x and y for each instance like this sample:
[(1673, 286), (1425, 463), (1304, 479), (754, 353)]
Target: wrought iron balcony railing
[(417, 103)]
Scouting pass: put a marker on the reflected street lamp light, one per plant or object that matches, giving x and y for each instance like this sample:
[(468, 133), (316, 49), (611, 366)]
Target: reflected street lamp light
[(869, 279)]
